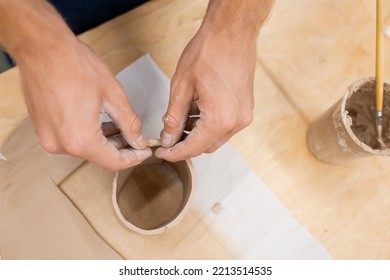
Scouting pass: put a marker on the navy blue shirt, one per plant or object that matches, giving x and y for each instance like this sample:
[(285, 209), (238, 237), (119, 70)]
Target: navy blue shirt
[(82, 15)]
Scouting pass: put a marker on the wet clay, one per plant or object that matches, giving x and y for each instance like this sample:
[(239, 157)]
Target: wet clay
[(361, 108), (347, 130), (151, 196), (39, 220)]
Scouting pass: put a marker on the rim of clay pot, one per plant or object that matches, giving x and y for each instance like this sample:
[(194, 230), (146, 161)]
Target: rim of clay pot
[(347, 120), (172, 221)]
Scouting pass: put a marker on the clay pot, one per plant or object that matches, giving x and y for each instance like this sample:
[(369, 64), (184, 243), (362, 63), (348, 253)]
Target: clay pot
[(339, 135), (154, 195)]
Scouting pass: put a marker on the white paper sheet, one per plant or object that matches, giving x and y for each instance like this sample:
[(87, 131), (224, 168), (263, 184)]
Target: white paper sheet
[(229, 195), (147, 88)]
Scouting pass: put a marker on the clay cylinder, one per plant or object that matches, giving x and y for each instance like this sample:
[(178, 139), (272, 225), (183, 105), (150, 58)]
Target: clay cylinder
[(348, 129), (153, 196)]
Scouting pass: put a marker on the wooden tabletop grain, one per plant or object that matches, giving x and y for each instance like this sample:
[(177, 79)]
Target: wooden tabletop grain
[(308, 54)]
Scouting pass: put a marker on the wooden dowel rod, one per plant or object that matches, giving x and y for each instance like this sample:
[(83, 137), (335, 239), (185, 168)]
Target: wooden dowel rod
[(379, 56)]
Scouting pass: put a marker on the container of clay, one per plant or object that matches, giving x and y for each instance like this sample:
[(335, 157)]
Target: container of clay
[(153, 196), (348, 130)]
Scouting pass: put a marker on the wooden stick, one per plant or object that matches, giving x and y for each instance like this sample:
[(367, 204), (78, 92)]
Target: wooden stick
[(379, 57), (379, 73)]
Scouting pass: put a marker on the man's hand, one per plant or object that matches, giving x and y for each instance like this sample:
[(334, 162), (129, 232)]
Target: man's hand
[(67, 87), (214, 80), (66, 92)]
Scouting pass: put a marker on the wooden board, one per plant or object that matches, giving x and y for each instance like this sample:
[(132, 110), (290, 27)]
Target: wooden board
[(311, 58), (37, 221), (308, 53)]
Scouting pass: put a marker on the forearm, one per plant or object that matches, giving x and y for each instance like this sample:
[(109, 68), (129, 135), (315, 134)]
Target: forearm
[(31, 27), (241, 18)]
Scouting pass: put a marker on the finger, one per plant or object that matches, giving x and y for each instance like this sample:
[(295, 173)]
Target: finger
[(193, 116), (92, 145), (118, 141), (109, 129), (199, 140), (107, 156), (124, 116), (191, 123), (176, 116)]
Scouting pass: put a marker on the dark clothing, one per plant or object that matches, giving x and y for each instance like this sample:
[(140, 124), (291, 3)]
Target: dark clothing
[(82, 15)]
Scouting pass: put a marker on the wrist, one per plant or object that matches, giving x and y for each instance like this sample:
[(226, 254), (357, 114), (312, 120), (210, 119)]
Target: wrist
[(31, 28), (240, 18)]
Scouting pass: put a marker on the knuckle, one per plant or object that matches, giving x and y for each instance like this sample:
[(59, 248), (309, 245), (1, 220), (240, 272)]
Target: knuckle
[(118, 88), (184, 150), (136, 124), (73, 147), (233, 118), (246, 119), (226, 118), (126, 159), (176, 84), (50, 145), (76, 144), (227, 122), (115, 164), (171, 122), (179, 88), (131, 124), (129, 159)]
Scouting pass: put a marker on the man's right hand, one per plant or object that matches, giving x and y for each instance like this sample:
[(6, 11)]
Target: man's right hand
[(67, 87)]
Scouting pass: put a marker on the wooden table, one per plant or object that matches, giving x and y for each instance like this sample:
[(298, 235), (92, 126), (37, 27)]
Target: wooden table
[(308, 53)]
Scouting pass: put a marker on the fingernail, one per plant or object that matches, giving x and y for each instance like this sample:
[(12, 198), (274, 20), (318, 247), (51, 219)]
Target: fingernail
[(161, 152), (139, 143), (143, 154), (167, 139)]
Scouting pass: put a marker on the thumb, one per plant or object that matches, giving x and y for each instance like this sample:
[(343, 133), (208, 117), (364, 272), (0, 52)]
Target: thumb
[(122, 113), (176, 116)]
